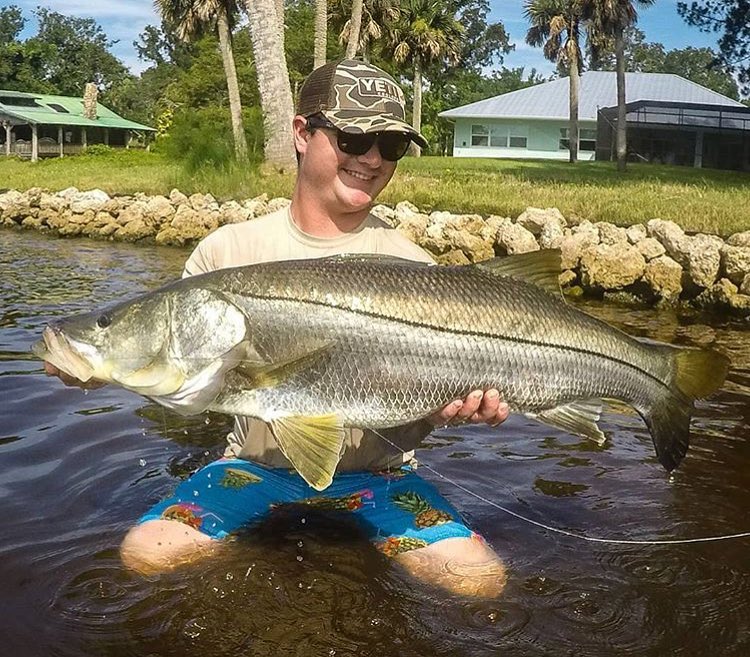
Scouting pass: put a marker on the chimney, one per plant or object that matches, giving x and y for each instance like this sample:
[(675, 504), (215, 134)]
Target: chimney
[(90, 94)]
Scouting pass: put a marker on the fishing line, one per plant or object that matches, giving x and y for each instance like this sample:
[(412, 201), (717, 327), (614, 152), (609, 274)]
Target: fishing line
[(565, 532)]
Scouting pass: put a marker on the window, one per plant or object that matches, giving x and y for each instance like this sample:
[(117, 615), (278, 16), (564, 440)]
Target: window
[(498, 136), (479, 135), (586, 139), (58, 108)]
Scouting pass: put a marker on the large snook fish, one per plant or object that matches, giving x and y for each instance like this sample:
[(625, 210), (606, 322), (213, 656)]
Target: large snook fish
[(312, 346)]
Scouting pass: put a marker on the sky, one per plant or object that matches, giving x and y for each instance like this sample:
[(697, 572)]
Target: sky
[(124, 20)]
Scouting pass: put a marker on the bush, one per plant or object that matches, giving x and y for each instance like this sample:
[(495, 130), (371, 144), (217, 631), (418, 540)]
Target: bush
[(203, 137), (96, 150)]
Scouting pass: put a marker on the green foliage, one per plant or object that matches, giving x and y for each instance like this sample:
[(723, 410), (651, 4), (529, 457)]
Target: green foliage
[(202, 137), (98, 150), (700, 65), (11, 23), (732, 19)]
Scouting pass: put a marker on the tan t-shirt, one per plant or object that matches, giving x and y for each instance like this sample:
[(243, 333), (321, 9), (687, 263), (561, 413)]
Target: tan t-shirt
[(276, 237)]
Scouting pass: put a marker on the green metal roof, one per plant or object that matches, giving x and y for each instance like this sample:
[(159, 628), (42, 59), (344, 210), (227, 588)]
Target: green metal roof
[(44, 113)]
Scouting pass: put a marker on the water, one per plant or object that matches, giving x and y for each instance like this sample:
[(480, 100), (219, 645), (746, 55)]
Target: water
[(77, 469)]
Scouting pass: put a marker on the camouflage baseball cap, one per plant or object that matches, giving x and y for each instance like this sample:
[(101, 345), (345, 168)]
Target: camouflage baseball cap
[(356, 97)]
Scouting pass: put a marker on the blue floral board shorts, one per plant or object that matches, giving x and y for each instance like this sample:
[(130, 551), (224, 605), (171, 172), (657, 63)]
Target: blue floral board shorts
[(397, 509)]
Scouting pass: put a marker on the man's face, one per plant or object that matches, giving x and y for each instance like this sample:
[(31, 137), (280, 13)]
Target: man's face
[(345, 183)]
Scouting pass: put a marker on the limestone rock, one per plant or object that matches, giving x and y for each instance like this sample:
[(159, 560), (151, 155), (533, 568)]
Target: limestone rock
[(176, 197), (668, 233), (473, 247), (402, 210), (257, 206), (739, 239), (699, 256), (611, 234), (611, 267), (636, 233), (492, 225), (92, 200), (574, 244), (14, 205), (735, 261), (413, 226), (159, 209), (551, 235), (745, 285), (232, 212), (455, 257), (718, 294), (384, 213), (651, 248), (664, 277), (567, 277), (533, 219), (514, 238), (278, 203), (191, 225)]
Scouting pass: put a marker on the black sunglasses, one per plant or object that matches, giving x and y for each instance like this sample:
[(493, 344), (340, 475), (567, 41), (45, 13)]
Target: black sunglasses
[(392, 145)]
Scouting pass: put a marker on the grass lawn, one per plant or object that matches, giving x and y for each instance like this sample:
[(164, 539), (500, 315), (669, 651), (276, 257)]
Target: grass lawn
[(698, 199)]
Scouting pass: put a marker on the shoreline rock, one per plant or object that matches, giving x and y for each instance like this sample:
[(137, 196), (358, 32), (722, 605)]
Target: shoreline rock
[(656, 262)]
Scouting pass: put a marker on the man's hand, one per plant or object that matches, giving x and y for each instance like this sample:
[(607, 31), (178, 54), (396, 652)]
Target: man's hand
[(71, 381), (476, 408)]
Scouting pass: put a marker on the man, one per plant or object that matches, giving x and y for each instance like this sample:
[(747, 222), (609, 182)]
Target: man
[(349, 131)]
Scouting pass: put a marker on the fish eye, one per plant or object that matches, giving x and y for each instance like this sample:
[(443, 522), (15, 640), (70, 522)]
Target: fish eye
[(104, 321)]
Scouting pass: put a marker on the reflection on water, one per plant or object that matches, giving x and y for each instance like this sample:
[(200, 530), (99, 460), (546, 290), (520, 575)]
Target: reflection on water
[(77, 469)]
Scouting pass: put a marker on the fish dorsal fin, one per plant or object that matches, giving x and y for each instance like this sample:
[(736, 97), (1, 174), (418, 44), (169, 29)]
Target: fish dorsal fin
[(270, 375), (313, 445), (578, 417), (541, 268)]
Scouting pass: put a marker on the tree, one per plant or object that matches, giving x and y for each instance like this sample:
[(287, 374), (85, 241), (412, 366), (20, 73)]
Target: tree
[(377, 15), (640, 55), (79, 54), (702, 66), (732, 19), (321, 33), (556, 26), (610, 18), (424, 33), (192, 17), (273, 83), (11, 24)]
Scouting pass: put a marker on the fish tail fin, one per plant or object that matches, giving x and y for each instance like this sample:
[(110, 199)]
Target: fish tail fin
[(697, 373)]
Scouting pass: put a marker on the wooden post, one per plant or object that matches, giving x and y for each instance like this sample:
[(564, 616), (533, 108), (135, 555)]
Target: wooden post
[(60, 140), (127, 139), (34, 143), (106, 136), (8, 137), (83, 138)]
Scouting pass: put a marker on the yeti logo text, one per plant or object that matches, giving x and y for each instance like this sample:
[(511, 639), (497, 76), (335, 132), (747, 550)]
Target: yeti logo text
[(380, 88)]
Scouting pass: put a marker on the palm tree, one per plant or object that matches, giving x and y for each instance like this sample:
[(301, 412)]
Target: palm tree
[(355, 28), (556, 25), (611, 18), (359, 36), (424, 33), (192, 17), (321, 33), (273, 82)]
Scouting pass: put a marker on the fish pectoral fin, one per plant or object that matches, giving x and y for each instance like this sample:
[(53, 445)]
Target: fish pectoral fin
[(272, 374), (156, 379), (579, 418), (540, 268), (313, 445)]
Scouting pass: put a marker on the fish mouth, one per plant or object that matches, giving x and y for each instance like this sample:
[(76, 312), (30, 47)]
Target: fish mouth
[(56, 348)]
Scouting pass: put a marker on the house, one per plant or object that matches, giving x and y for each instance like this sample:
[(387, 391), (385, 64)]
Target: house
[(39, 125), (669, 119)]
